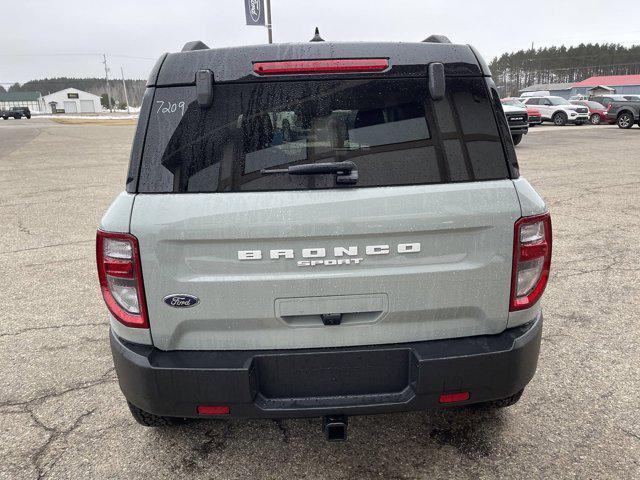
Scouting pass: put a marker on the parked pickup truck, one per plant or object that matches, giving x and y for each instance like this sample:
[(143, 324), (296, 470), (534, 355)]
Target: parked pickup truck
[(624, 114), (15, 112)]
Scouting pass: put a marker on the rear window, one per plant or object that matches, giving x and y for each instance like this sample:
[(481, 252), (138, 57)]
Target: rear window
[(389, 127)]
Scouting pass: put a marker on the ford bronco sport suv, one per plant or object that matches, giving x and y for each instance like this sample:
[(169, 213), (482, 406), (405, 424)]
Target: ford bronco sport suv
[(322, 229)]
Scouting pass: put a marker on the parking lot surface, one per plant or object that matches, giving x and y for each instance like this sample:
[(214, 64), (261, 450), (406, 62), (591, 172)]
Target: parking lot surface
[(62, 414)]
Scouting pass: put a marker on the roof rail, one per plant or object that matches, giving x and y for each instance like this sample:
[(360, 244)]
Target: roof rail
[(437, 39), (194, 45)]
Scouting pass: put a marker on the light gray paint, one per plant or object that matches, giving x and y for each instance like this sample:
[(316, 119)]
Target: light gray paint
[(116, 218), (135, 335), (457, 285), (304, 312), (531, 203), (520, 317)]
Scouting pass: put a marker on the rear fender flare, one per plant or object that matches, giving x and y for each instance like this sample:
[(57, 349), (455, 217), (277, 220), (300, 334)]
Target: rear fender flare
[(629, 111)]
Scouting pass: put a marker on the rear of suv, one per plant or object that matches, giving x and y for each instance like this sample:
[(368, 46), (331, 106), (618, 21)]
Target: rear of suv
[(322, 229)]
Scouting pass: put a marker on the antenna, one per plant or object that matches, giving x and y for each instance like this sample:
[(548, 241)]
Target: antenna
[(317, 37)]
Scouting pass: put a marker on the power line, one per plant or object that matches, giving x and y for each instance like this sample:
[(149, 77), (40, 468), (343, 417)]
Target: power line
[(118, 55)]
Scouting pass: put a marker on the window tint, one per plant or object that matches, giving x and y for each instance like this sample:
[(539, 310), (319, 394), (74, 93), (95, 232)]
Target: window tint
[(533, 101), (594, 105), (387, 127)]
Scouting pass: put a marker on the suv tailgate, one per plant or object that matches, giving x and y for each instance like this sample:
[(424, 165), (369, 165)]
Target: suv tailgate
[(455, 283)]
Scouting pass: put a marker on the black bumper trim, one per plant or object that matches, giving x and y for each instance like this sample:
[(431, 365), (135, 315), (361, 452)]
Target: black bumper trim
[(316, 382), (519, 130)]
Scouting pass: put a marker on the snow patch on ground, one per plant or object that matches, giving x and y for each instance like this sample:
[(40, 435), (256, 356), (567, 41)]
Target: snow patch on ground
[(89, 117)]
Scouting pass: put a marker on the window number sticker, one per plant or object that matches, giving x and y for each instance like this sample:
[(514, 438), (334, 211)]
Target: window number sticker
[(170, 107)]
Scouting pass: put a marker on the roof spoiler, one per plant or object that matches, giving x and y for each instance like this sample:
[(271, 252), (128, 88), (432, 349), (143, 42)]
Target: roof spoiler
[(194, 45), (437, 39)]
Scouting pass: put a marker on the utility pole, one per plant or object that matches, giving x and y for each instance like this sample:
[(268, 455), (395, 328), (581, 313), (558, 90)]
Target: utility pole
[(106, 77), (124, 85), (269, 21)]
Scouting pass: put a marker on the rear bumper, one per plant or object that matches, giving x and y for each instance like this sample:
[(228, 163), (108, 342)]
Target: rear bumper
[(519, 130), (316, 382)]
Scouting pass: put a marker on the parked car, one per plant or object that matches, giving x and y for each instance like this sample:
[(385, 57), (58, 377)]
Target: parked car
[(388, 257), (533, 114), (537, 93), (24, 110), (559, 110), (605, 100), (597, 112), (624, 114), (517, 118), (15, 112), (635, 98)]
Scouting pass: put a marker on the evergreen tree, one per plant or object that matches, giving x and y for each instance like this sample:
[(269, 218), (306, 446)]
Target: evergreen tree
[(517, 70)]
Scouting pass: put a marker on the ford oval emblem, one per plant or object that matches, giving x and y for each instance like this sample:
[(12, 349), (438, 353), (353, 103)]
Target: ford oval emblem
[(181, 300)]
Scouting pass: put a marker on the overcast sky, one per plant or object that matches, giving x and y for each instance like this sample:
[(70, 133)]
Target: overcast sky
[(45, 38)]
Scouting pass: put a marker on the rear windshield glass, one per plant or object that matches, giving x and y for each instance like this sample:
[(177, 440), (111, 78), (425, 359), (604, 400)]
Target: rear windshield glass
[(389, 127)]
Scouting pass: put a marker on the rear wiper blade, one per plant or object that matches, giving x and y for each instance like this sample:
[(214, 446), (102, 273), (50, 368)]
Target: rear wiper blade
[(347, 171)]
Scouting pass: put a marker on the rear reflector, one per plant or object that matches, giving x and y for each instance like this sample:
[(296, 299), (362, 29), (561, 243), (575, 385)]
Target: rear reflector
[(213, 410), (454, 397), (293, 67)]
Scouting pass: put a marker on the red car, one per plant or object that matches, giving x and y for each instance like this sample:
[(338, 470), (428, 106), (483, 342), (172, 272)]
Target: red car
[(597, 112), (535, 117)]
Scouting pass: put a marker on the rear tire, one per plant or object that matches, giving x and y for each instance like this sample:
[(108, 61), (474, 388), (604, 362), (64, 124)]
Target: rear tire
[(516, 139), (559, 119), (595, 119), (149, 419), (503, 402), (625, 120)]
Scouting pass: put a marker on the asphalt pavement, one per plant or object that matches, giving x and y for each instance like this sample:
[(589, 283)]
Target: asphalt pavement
[(62, 414)]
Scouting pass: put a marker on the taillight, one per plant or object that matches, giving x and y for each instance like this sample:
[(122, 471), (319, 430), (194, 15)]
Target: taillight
[(120, 277), (531, 260), (346, 65)]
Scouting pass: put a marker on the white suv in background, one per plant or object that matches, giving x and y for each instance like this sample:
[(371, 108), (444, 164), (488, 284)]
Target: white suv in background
[(559, 110)]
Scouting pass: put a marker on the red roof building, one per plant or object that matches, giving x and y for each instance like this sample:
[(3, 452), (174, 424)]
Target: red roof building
[(610, 81)]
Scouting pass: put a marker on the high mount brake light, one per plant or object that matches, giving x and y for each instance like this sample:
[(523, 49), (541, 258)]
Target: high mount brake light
[(531, 260), (120, 275), (293, 67)]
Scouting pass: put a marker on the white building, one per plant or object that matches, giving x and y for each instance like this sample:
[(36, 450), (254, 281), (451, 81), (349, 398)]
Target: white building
[(71, 100), (31, 100)]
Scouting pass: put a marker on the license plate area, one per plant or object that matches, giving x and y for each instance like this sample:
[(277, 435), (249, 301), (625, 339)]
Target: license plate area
[(333, 374)]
